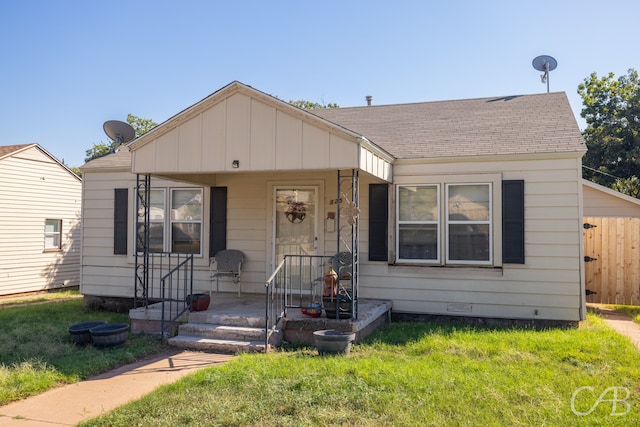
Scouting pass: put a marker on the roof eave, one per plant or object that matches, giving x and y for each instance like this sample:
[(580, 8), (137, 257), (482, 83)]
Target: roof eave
[(491, 157)]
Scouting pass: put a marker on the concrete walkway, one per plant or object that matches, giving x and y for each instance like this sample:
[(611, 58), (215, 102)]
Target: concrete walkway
[(71, 404), (621, 323)]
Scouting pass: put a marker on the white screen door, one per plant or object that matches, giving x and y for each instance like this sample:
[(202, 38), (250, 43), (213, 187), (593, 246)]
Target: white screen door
[(295, 221)]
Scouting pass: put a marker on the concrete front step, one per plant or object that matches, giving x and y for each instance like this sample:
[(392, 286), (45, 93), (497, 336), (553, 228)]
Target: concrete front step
[(226, 319), (207, 330), (223, 332), (217, 345)]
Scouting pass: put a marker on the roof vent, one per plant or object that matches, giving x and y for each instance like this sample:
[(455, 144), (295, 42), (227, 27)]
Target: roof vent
[(369, 98)]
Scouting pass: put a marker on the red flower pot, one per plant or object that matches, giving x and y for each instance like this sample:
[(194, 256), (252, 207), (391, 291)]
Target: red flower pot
[(199, 302)]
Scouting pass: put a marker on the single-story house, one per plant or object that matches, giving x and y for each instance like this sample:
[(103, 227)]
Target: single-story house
[(458, 208), (39, 221)]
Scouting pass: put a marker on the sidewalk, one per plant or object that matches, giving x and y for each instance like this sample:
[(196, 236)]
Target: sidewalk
[(621, 323), (69, 405)]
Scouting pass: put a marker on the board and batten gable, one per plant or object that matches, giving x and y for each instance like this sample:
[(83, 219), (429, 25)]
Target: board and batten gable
[(546, 286), (35, 187), (260, 133)]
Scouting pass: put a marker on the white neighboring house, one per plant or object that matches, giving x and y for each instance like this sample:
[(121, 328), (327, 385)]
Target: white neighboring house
[(40, 207), (466, 208)]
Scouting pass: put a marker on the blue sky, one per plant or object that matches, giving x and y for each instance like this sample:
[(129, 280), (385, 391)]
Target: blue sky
[(68, 65)]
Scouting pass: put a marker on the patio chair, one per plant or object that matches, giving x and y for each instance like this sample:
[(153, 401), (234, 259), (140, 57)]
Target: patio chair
[(226, 263)]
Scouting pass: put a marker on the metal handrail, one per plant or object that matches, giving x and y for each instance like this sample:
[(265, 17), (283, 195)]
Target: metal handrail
[(176, 297), (273, 311), (295, 283)]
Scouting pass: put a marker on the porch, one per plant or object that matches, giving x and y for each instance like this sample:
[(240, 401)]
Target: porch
[(235, 323)]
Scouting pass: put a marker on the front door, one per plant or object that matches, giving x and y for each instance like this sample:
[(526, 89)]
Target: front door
[(295, 221)]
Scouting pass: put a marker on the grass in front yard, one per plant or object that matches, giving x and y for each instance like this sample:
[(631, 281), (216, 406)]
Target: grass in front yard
[(411, 374), (52, 295), (37, 353)]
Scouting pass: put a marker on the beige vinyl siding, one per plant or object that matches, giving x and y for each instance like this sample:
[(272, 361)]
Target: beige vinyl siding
[(103, 273), (35, 187), (249, 227), (549, 281)]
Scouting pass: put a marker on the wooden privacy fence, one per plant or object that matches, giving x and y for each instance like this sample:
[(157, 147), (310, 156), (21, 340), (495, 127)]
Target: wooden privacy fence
[(612, 260)]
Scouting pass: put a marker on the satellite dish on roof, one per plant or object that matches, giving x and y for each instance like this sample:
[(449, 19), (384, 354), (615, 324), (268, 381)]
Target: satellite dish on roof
[(545, 63), (118, 131)]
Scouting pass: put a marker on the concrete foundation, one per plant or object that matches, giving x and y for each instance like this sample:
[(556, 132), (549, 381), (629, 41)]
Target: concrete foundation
[(299, 329), (486, 321), (148, 320)]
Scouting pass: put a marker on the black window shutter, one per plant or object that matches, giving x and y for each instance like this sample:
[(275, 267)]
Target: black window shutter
[(120, 212), (218, 220), (378, 222), (513, 221)]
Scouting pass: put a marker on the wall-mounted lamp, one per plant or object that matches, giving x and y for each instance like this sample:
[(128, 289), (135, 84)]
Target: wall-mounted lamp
[(235, 164)]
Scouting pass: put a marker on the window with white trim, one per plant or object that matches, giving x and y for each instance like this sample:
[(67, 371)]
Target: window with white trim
[(468, 232), (52, 234), (447, 227), (181, 230), (419, 223), (186, 220)]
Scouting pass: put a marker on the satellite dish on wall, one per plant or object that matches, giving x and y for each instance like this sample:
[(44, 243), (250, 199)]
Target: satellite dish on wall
[(118, 131), (545, 63)]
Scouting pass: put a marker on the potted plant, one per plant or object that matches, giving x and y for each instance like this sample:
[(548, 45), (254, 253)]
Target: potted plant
[(198, 302)]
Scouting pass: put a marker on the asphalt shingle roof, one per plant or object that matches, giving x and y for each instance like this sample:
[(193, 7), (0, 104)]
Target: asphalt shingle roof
[(521, 124), (119, 159), (5, 150)]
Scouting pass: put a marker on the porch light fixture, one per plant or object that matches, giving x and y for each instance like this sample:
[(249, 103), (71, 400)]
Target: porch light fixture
[(235, 164)]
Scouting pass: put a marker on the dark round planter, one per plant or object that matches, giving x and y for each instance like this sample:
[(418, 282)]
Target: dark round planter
[(330, 341), (199, 302), (80, 331), (109, 335)]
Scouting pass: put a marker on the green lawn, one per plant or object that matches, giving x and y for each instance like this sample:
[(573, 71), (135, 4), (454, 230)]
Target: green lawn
[(406, 374), (413, 374), (37, 353)]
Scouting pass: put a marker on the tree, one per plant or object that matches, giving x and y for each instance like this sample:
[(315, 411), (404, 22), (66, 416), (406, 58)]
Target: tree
[(611, 108), (308, 105), (139, 125)]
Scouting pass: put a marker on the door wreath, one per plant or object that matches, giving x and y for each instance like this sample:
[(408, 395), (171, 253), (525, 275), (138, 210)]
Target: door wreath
[(296, 212)]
